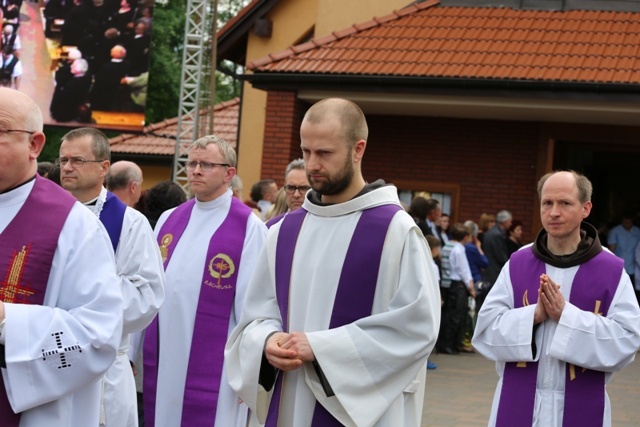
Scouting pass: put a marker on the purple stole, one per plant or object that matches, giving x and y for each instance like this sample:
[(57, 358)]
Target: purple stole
[(27, 247), (211, 327), (356, 287), (594, 286), (112, 216)]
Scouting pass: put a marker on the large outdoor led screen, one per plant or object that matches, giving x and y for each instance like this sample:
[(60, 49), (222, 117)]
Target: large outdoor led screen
[(85, 62)]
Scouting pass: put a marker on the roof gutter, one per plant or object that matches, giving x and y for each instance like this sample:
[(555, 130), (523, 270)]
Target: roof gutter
[(291, 81)]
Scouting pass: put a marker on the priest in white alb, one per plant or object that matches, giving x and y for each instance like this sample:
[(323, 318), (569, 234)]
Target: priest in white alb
[(343, 308), (84, 162), (209, 245), (60, 306), (561, 318)]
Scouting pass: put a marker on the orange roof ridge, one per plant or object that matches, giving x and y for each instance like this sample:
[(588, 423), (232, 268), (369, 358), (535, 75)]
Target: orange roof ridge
[(340, 34)]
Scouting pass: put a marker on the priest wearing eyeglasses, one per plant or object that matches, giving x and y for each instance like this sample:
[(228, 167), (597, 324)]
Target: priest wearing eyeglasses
[(84, 162), (60, 306), (210, 245), (296, 185)]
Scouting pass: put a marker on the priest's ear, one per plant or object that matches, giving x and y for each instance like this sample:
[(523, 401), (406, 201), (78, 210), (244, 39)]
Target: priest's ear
[(36, 144)]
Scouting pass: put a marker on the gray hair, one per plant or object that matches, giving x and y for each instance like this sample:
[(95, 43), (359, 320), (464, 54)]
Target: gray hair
[(295, 164), (81, 64), (236, 183), (228, 153), (473, 227), (99, 143), (122, 175), (503, 216)]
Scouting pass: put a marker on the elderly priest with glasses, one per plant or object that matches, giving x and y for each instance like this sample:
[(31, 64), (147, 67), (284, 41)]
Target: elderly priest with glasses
[(209, 245), (60, 306)]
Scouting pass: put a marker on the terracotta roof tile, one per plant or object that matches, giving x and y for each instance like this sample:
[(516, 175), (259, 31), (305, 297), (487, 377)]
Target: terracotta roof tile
[(427, 39), (160, 138)]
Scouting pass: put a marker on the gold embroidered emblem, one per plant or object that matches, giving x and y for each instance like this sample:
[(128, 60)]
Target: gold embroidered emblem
[(572, 368), (525, 303), (11, 288), (220, 267), (164, 245)]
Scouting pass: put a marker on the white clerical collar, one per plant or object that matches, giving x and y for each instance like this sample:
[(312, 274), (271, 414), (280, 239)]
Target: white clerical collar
[(215, 203), (380, 196), (97, 204), (17, 195)]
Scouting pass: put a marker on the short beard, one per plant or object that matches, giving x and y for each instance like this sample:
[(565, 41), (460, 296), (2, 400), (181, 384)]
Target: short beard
[(338, 184)]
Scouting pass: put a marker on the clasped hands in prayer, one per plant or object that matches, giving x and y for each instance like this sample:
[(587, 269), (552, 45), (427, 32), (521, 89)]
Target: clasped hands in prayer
[(287, 351), (550, 301)]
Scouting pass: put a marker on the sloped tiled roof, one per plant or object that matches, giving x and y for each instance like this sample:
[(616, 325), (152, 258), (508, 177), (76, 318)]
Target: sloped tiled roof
[(430, 40), (160, 138)]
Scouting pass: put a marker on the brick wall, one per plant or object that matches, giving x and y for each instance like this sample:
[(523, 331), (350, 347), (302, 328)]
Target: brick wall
[(492, 162), (282, 134)]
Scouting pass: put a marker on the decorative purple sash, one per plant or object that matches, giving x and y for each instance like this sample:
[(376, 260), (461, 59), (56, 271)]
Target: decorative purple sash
[(27, 247), (592, 290), (356, 287), (112, 217), (215, 304)]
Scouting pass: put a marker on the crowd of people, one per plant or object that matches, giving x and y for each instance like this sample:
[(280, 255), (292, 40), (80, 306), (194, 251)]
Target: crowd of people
[(107, 44), (315, 304)]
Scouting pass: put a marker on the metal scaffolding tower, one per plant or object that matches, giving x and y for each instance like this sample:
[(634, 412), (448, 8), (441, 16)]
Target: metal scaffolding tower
[(197, 82)]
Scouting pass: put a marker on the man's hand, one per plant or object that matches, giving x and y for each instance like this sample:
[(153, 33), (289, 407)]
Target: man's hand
[(552, 298), (285, 359), (540, 315), (298, 342)]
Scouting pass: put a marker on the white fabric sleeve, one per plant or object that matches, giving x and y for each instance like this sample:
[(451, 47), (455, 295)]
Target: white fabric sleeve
[(81, 317), (140, 271)]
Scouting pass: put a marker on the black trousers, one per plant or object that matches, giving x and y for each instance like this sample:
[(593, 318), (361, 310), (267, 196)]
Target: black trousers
[(456, 308)]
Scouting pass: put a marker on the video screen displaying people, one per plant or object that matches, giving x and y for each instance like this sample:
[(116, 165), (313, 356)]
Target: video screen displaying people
[(84, 61)]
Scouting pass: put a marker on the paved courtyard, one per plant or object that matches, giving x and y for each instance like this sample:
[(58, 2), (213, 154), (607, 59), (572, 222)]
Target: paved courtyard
[(460, 391)]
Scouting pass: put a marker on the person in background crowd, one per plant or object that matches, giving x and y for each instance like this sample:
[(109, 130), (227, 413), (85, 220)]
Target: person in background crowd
[(514, 237), (443, 227), (623, 240), (125, 181), (486, 222), (457, 279)]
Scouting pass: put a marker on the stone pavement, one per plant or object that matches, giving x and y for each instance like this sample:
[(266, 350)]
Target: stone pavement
[(460, 391)]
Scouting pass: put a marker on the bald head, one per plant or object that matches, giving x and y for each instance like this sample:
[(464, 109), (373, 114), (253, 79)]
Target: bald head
[(354, 124), (118, 52), (18, 150), (21, 109), (125, 181)]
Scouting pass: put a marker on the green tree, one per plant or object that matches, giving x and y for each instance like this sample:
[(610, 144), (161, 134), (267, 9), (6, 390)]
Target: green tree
[(167, 41)]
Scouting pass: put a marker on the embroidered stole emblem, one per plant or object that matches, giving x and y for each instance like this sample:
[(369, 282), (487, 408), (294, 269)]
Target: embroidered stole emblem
[(27, 247), (215, 303), (593, 288), (356, 287)]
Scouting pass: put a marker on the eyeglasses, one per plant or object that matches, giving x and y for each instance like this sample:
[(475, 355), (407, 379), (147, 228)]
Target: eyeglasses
[(205, 166), (291, 189), (76, 162), (16, 130)]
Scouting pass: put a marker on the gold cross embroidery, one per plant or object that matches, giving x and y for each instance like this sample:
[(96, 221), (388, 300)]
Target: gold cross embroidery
[(10, 289)]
